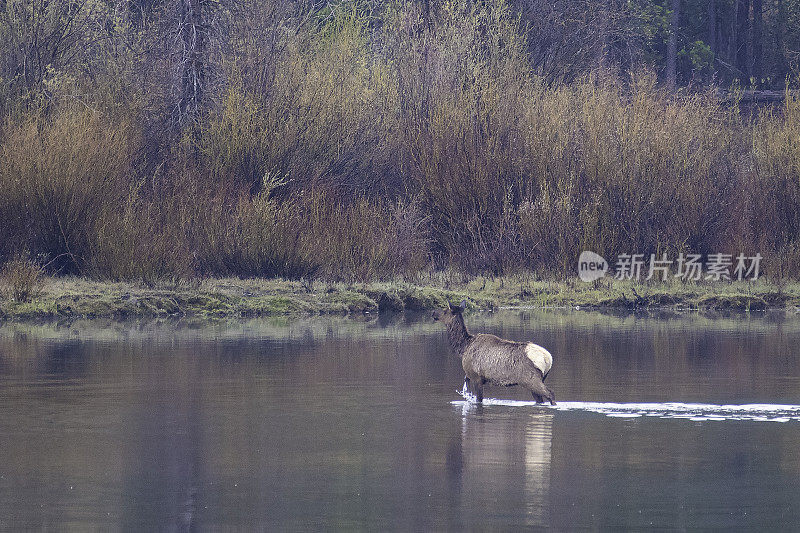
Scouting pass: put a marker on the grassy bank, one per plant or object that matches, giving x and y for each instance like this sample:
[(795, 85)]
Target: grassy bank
[(235, 298)]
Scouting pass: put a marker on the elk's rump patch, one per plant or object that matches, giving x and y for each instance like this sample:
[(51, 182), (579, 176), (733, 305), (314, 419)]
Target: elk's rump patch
[(540, 357)]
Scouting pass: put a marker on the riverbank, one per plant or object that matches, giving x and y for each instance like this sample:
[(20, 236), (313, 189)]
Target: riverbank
[(237, 298)]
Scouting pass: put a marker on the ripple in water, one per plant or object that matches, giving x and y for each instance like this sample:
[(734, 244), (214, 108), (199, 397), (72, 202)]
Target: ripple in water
[(698, 412)]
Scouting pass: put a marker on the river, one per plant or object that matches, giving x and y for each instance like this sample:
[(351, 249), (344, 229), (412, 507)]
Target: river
[(670, 421)]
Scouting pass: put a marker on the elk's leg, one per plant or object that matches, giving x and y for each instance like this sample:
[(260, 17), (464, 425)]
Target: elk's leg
[(540, 392), (479, 391)]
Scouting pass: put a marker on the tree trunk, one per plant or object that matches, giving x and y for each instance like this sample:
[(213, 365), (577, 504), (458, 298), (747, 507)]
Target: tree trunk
[(731, 53), (426, 13), (742, 31), (672, 44), (781, 63), (757, 42), (192, 33), (603, 28), (712, 25)]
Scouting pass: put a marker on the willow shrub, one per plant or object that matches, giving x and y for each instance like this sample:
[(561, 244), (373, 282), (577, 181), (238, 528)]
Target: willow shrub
[(142, 239), (324, 120), (308, 235), (516, 173), (462, 85), (770, 204), (61, 173), (314, 235), (628, 170)]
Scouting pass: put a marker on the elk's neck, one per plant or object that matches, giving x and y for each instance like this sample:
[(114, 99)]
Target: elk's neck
[(458, 335)]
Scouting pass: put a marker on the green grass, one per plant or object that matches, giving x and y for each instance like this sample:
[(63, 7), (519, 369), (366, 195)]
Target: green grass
[(237, 298)]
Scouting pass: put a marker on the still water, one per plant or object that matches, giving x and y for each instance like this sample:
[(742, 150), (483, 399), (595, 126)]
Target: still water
[(682, 421)]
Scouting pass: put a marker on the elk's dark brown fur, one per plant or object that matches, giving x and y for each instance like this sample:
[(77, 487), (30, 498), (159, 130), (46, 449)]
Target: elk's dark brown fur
[(489, 359)]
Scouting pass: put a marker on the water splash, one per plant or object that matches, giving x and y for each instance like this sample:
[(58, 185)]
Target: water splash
[(467, 395), (698, 412)]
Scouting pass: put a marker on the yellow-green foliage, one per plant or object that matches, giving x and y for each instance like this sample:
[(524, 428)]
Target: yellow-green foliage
[(60, 174), (322, 119)]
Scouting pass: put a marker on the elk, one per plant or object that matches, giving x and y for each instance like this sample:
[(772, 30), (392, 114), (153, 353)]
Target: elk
[(489, 359)]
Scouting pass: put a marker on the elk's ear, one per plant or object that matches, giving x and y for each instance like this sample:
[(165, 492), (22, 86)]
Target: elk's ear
[(453, 308), (463, 304)]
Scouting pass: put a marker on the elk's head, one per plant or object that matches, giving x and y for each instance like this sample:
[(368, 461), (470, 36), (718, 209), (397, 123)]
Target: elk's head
[(448, 314)]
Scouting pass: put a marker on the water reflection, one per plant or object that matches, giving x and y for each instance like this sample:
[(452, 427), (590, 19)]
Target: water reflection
[(505, 457), (163, 466), (329, 423), (538, 441)]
